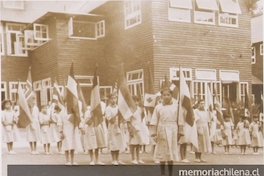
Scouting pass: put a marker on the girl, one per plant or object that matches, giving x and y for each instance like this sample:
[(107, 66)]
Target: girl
[(227, 133), (33, 130), (71, 137), (9, 121), (213, 132), (164, 120), (115, 141), (45, 136), (243, 134), (257, 138), (202, 120), (55, 127), (137, 133), (95, 138)]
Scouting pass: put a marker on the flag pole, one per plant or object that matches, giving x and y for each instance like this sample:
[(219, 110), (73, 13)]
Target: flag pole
[(180, 131)]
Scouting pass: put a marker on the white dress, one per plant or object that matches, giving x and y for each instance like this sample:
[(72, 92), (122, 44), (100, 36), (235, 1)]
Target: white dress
[(227, 129), (165, 120), (257, 137), (33, 129), (45, 133), (115, 141), (54, 128), (72, 138), (10, 131)]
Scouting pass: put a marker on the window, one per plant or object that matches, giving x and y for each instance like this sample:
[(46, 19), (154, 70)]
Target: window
[(205, 11), (1, 39), (175, 74), (132, 11), (205, 74), (253, 55), (104, 92), (135, 82), (15, 40), (13, 4), (3, 91), (30, 41), (45, 91), (180, 10), (261, 49), (243, 87), (13, 86), (229, 76), (41, 32), (86, 83), (228, 15), (86, 30)]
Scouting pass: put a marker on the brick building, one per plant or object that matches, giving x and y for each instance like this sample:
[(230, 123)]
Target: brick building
[(209, 39)]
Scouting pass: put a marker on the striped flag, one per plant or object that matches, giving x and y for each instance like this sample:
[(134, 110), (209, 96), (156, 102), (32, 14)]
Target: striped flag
[(25, 114), (96, 110), (126, 105), (72, 99), (56, 95), (82, 103), (29, 90), (209, 101), (186, 112), (219, 113)]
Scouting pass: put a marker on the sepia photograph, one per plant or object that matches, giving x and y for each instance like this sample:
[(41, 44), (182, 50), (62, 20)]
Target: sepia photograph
[(132, 87)]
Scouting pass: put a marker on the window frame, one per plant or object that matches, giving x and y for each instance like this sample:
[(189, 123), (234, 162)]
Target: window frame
[(105, 99), (135, 82), (12, 7), (261, 49), (227, 16), (241, 93), (172, 10), (4, 89), (18, 34), (100, 28), (174, 70), (203, 78), (35, 25), (133, 14), (14, 90), (203, 12), (253, 57), (2, 39)]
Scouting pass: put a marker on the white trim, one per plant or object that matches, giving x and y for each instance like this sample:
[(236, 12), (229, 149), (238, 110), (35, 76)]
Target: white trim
[(175, 77), (46, 83), (38, 33), (134, 83), (137, 14), (2, 39), (241, 93), (21, 7), (84, 77), (181, 15), (13, 89), (233, 75), (100, 29), (253, 55), (105, 92), (185, 4), (202, 17), (207, 5), (37, 85), (205, 74), (228, 19), (230, 6), (261, 49), (4, 89)]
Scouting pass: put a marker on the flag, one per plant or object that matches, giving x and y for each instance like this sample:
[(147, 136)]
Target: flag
[(217, 106), (29, 90), (210, 107), (168, 84), (96, 110), (126, 104), (25, 114), (82, 103), (72, 99), (186, 112), (56, 95), (246, 112)]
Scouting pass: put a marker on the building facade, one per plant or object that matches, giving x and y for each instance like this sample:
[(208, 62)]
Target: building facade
[(209, 39)]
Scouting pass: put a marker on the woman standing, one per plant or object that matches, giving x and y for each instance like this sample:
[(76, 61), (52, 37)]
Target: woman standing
[(164, 120)]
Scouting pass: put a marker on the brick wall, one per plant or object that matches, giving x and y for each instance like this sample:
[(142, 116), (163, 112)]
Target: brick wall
[(198, 45)]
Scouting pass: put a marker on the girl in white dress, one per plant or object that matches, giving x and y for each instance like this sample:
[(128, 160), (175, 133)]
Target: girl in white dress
[(95, 138), (243, 137), (71, 137), (33, 130), (115, 141), (256, 135), (45, 133), (227, 133), (55, 127), (9, 121), (137, 134)]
